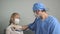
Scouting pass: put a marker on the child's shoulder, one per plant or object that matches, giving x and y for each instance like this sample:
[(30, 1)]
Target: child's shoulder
[(9, 27)]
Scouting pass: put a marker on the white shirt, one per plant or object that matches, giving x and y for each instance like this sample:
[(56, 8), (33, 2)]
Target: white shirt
[(10, 31)]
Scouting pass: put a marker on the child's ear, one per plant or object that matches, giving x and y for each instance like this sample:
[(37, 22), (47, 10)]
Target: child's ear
[(12, 20)]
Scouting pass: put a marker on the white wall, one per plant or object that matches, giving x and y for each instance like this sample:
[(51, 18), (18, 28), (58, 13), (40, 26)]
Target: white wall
[(24, 8)]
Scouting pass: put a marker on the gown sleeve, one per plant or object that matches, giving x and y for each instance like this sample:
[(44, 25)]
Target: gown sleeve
[(32, 26), (54, 26)]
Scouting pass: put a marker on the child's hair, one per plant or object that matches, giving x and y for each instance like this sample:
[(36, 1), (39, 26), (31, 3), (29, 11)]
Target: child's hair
[(12, 18)]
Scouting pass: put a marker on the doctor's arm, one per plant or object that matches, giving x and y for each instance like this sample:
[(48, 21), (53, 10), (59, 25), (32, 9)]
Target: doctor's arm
[(25, 27), (31, 26), (55, 27)]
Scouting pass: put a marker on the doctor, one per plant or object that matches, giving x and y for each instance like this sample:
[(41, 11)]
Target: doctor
[(44, 23), (14, 21)]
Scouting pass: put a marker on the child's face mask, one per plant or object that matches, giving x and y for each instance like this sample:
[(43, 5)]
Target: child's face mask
[(17, 21)]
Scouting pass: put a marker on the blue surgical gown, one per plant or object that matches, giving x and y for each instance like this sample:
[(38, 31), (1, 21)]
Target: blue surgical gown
[(49, 26)]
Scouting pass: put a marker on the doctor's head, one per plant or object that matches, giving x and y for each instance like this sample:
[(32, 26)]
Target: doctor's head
[(14, 19), (39, 9)]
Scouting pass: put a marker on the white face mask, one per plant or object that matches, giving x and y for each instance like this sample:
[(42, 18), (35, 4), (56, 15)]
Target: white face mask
[(17, 21)]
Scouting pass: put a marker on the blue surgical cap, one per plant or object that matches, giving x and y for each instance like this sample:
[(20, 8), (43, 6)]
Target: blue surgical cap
[(39, 6)]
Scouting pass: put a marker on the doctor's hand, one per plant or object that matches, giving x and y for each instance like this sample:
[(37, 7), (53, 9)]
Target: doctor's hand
[(25, 27), (17, 27)]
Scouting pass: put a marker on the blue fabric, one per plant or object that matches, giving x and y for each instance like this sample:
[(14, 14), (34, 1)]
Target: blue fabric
[(49, 26), (39, 6)]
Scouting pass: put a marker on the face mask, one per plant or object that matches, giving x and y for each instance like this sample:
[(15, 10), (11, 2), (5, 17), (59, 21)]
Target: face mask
[(17, 21)]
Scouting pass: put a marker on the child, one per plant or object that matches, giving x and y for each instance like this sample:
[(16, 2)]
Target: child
[(14, 21)]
